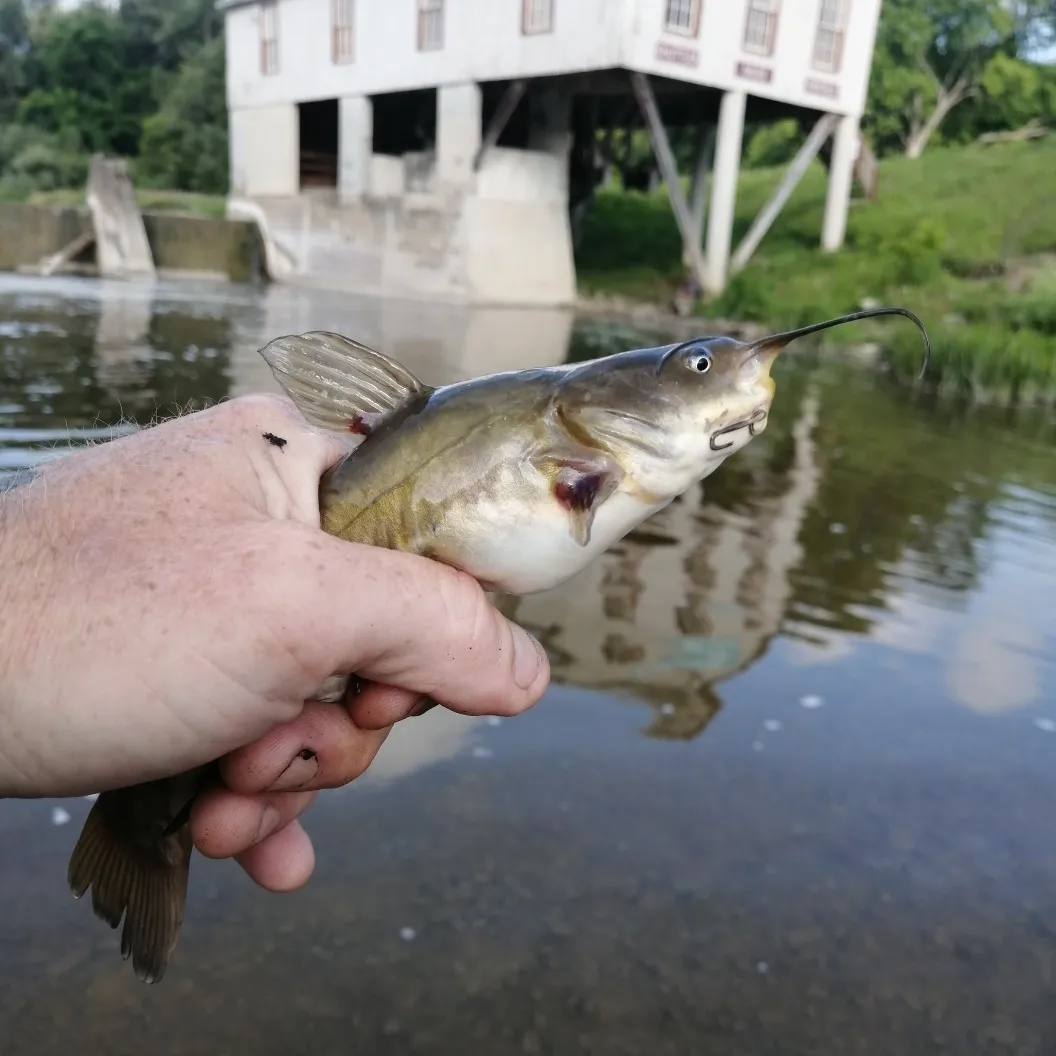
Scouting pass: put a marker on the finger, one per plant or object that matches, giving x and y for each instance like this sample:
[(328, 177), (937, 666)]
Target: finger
[(408, 621), (283, 862), (225, 823), (378, 707), (321, 748)]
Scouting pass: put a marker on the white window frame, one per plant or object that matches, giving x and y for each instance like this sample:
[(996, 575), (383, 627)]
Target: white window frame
[(682, 17), (830, 35), (537, 16), (342, 31), (430, 25), (760, 26), (269, 37)]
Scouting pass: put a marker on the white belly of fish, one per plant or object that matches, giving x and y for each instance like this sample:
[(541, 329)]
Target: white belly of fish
[(530, 547)]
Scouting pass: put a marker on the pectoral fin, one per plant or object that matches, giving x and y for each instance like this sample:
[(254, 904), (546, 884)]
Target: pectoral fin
[(340, 384), (580, 485)]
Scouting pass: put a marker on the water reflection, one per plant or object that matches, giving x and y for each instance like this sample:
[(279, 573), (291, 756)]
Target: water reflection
[(851, 877), (856, 516), (694, 596)]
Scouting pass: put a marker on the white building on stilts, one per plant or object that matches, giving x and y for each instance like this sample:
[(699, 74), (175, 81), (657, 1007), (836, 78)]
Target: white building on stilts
[(435, 148)]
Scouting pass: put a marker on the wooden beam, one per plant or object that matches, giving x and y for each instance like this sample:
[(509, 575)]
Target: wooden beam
[(823, 128), (665, 158), (510, 99), (49, 265)]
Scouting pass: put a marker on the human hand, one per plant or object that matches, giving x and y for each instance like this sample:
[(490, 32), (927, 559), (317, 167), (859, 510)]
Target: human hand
[(169, 598)]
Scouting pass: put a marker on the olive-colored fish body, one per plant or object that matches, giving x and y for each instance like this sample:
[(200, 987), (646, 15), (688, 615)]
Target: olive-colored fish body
[(520, 479)]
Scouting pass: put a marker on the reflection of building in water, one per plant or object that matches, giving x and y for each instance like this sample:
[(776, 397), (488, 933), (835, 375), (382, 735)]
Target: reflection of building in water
[(440, 343), (691, 599)]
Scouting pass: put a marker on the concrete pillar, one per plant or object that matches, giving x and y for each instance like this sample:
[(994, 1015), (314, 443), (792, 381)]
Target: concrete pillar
[(725, 171), (355, 139), (268, 144), (841, 174), (458, 132), (236, 152)]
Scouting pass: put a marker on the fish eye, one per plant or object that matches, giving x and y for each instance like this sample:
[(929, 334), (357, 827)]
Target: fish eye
[(699, 361)]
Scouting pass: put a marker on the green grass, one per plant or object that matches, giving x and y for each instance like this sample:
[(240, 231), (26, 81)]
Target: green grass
[(965, 237), (212, 206)]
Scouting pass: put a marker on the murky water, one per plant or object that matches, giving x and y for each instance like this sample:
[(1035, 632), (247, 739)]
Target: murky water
[(792, 792)]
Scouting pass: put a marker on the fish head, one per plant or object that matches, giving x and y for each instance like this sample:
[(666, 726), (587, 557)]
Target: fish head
[(672, 415), (714, 395)]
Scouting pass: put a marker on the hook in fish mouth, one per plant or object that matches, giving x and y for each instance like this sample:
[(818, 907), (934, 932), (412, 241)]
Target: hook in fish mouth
[(751, 421)]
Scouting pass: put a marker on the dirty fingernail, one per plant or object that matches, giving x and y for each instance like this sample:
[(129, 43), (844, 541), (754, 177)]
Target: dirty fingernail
[(528, 658), (304, 768)]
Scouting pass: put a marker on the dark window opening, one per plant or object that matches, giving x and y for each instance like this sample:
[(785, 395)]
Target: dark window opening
[(405, 122), (318, 143), (518, 129)]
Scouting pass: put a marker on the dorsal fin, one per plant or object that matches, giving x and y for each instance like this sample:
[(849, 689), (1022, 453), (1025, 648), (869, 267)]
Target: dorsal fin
[(340, 384)]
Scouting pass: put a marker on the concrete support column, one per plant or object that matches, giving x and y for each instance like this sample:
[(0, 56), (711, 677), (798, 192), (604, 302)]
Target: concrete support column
[(458, 132), (355, 145), (845, 145), (236, 153), (726, 169)]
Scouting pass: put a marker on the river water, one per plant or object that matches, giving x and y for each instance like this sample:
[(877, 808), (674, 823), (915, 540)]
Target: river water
[(792, 791)]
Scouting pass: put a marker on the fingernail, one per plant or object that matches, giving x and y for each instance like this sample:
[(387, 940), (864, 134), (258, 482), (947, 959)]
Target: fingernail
[(303, 769), (528, 657), (269, 822)]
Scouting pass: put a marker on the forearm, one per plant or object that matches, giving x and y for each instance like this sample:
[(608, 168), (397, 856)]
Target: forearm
[(20, 603)]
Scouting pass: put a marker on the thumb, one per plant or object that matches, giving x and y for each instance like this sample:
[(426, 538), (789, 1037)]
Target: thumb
[(413, 623)]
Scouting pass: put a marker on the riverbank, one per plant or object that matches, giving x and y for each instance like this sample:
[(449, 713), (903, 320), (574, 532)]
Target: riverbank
[(964, 237)]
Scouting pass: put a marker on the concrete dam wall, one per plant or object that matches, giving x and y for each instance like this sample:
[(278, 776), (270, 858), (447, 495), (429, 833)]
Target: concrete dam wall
[(178, 242)]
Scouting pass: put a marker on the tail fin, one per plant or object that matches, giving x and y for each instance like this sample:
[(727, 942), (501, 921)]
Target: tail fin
[(143, 881)]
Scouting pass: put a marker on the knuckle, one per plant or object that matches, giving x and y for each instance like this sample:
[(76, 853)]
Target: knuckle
[(253, 408), (469, 620)]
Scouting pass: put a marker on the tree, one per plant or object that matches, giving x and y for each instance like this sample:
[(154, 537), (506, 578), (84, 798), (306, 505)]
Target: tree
[(930, 57), (81, 76), (185, 143), (14, 42)]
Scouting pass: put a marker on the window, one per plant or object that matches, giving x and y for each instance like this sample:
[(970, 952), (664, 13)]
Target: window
[(342, 44), (269, 37), (430, 24), (760, 28), (828, 44), (537, 16), (682, 16)]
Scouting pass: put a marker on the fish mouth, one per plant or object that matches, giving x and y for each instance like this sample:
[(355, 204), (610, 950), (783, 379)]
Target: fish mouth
[(752, 422)]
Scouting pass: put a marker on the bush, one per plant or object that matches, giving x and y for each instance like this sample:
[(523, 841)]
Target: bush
[(33, 160), (184, 146), (905, 250), (775, 143)]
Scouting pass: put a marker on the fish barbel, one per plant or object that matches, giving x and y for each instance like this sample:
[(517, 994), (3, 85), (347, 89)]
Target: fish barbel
[(520, 479)]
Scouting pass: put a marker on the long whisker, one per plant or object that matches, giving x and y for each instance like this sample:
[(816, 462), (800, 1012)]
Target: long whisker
[(813, 328)]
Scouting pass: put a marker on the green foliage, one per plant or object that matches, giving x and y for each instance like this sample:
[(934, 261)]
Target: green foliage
[(774, 143), (14, 29), (147, 79), (31, 159), (185, 144), (961, 62)]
